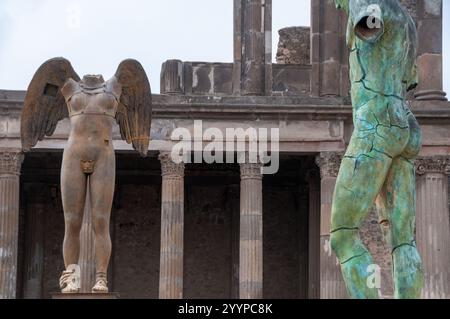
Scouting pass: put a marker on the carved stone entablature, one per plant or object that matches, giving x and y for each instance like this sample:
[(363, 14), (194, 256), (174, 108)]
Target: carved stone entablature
[(251, 171), (434, 164), (329, 163), (10, 162), (169, 168)]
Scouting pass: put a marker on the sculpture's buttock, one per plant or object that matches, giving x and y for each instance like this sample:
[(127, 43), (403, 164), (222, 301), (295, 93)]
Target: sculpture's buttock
[(385, 125)]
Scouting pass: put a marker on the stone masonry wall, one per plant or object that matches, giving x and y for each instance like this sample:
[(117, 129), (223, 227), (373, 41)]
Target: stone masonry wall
[(294, 46)]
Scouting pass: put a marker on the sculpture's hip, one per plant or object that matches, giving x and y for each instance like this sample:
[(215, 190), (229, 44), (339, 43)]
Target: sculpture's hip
[(385, 125)]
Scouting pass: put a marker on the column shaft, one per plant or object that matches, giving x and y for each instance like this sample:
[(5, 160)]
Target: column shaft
[(329, 58), (34, 247), (314, 236), (10, 163), (251, 225), (172, 229), (433, 226), (332, 284), (429, 61), (252, 47), (87, 249)]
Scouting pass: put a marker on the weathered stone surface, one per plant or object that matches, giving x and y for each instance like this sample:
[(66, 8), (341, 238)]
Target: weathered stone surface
[(332, 285), (294, 46), (172, 228), (252, 47), (251, 240), (291, 79), (10, 164), (433, 225), (172, 77)]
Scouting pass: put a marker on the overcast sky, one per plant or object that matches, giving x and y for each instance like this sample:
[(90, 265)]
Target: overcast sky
[(95, 35)]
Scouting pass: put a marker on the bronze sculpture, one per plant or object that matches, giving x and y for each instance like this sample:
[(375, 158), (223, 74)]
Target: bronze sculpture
[(93, 105), (378, 166)]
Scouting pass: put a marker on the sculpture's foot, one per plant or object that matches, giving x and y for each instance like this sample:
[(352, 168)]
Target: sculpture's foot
[(101, 284), (70, 280)]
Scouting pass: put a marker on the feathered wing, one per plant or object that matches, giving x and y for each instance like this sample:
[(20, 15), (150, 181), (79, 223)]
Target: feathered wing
[(134, 114), (44, 104)]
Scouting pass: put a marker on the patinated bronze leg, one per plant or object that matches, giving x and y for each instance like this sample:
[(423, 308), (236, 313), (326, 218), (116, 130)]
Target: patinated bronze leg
[(102, 183), (381, 134), (73, 192), (396, 206), (356, 190)]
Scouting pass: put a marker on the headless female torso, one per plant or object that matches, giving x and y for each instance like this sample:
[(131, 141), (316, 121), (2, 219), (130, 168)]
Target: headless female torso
[(89, 159)]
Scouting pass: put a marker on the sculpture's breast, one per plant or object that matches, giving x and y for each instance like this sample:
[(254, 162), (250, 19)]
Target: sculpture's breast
[(96, 102)]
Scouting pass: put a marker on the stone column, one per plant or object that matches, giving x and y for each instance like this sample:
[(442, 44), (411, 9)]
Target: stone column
[(314, 247), (234, 209), (251, 231), (433, 225), (87, 250), (329, 54), (332, 284), (33, 272), (252, 47), (429, 27), (172, 229), (172, 81), (10, 164)]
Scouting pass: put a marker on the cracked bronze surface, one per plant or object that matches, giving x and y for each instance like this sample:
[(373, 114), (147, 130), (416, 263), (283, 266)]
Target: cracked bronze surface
[(378, 166)]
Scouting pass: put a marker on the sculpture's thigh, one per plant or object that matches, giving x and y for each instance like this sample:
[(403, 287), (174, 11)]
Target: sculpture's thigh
[(102, 183), (73, 191), (398, 205), (361, 176)]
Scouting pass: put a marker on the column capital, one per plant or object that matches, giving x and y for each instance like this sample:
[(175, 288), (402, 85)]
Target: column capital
[(433, 164), (251, 171), (10, 161), (329, 163), (169, 168)]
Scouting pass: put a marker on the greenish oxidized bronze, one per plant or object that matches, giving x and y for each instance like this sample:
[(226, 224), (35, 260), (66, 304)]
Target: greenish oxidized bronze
[(378, 166)]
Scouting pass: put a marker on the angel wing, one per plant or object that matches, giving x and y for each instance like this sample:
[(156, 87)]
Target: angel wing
[(134, 114), (44, 104)]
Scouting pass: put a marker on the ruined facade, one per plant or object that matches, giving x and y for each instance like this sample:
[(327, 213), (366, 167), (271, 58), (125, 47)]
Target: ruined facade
[(225, 230)]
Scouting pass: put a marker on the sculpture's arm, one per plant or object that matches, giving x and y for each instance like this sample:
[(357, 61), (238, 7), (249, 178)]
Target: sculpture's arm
[(368, 21)]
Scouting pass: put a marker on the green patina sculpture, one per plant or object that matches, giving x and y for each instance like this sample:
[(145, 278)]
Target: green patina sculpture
[(378, 166)]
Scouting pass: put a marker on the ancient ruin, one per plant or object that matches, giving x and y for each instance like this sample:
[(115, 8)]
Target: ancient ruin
[(221, 230)]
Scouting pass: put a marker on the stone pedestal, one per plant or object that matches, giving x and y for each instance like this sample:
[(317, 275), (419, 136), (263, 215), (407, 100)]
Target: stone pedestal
[(433, 225), (10, 164), (332, 284), (251, 231), (429, 61), (85, 296), (172, 229)]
